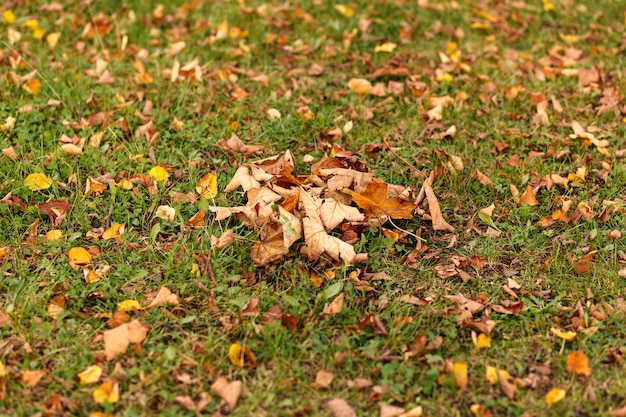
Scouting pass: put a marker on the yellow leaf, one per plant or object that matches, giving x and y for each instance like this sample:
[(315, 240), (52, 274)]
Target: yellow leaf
[(90, 375), (555, 395), (90, 276), (195, 270), (207, 186), (108, 392), (114, 232), (3, 370), (32, 86), (38, 33), (234, 354), (385, 47), (159, 173), (32, 24), (483, 341), (359, 85), (345, 10), (79, 256), (52, 39), (129, 305), (54, 234), (3, 251), (567, 336), (38, 181), (492, 375), (548, 6), (460, 374), (9, 16)]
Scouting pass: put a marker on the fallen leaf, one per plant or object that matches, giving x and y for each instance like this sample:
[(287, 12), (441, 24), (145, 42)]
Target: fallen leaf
[(114, 232), (528, 197), (335, 306), (207, 186), (435, 212), (241, 355), (117, 340), (159, 173), (227, 391), (387, 410), (323, 379), (375, 202), (221, 242), (386, 47), (340, 408), (491, 375), (78, 256), (360, 86), (164, 297), (578, 363), (37, 181), (56, 210), (32, 378), (555, 395), (129, 305), (483, 341), (108, 391), (166, 213), (567, 336), (90, 375), (459, 370)]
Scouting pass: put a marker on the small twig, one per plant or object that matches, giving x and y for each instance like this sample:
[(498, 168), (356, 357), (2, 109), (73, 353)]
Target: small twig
[(209, 267), (109, 214), (402, 159), (406, 231)]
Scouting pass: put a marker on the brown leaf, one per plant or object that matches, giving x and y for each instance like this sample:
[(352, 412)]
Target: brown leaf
[(435, 212), (227, 391), (340, 408), (14, 201), (376, 202), (117, 340), (164, 297), (387, 410), (56, 210), (32, 378), (221, 242), (323, 379), (507, 387), (234, 145), (482, 178), (335, 306)]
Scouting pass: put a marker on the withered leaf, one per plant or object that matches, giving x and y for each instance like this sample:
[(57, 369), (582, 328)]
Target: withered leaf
[(375, 202)]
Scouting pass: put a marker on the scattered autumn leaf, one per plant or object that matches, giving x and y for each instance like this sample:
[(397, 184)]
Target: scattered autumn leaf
[(207, 186), (117, 340), (578, 363), (227, 391), (37, 181), (107, 392), (90, 375), (323, 379), (459, 370), (555, 395)]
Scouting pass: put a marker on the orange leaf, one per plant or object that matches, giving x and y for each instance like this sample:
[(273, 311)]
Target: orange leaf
[(578, 363), (117, 340), (323, 379), (376, 202), (460, 374), (528, 197), (435, 212)]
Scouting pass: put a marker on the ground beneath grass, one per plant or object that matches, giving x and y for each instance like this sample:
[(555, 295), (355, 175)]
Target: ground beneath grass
[(495, 274)]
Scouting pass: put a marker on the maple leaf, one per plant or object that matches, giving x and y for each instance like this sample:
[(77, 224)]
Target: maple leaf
[(332, 213), (242, 178), (376, 202)]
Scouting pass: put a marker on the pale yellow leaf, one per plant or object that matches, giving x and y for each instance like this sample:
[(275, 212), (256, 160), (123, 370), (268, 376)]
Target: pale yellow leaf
[(555, 395), (207, 186), (359, 85)]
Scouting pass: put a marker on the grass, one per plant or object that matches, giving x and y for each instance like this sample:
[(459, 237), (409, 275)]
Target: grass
[(187, 346)]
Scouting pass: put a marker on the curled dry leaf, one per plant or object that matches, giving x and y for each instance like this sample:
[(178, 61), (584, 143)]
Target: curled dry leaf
[(528, 197), (221, 242), (227, 391), (164, 297), (117, 340), (435, 212), (340, 408)]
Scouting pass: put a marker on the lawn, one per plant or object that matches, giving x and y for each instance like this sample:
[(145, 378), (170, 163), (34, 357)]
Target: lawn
[(167, 246)]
